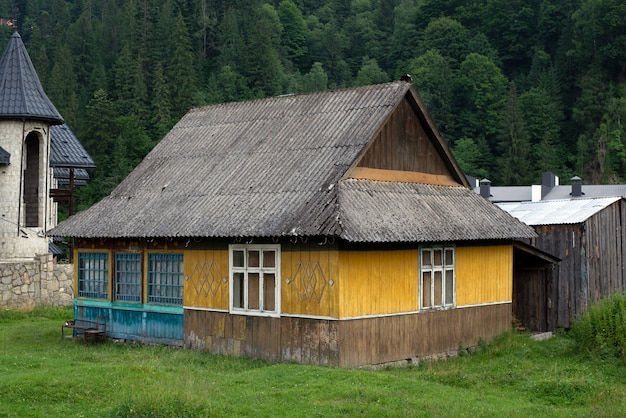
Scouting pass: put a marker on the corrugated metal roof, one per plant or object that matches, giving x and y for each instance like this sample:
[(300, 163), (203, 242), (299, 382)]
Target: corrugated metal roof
[(557, 212), (273, 167), (21, 93), (66, 150)]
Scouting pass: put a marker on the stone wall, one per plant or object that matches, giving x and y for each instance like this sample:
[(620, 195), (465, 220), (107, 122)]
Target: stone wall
[(25, 284)]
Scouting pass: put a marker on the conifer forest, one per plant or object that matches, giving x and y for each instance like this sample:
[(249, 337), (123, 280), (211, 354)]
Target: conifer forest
[(516, 87)]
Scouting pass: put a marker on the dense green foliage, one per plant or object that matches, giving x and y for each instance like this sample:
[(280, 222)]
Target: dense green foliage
[(512, 375), (602, 328), (516, 87)]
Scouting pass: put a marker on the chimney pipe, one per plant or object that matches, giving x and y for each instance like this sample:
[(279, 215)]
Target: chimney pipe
[(485, 188), (577, 186), (549, 179)]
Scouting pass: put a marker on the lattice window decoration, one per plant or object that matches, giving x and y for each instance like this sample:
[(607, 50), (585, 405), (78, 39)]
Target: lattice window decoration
[(165, 278), (128, 277), (437, 274), (255, 278), (309, 281), (93, 275), (206, 278)]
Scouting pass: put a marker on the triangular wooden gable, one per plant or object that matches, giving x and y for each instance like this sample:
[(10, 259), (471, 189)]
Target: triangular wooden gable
[(408, 148)]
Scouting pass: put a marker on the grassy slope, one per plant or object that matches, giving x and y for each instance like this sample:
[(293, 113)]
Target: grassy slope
[(41, 375)]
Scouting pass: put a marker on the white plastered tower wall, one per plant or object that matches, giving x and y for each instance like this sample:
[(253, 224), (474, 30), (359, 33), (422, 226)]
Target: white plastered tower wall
[(25, 206)]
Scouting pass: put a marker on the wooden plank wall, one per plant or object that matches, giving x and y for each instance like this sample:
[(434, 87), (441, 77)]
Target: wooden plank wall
[(310, 283), (395, 338), (484, 274), (567, 243), (605, 254), (532, 298), (285, 339), (348, 343), (135, 323), (206, 278), (378, 282), (403, 144), (593, 261)]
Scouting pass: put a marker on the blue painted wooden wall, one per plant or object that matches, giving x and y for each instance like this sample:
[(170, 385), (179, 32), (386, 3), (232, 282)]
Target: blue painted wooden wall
[(137, 322)]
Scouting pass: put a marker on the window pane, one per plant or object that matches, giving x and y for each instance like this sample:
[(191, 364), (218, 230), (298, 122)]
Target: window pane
[(255, 278), (437, 257), (253, 258), (128, 277), (238, 290), (253, 291), (437, 289), (426, 287), (269, 259), (449, 257), (449, 296), (427, 258), (238, 260), (93, 275), (165, 278), (269, 293)]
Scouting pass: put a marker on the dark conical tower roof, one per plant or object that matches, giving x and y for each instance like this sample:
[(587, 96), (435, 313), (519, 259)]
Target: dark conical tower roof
[(21, 93)]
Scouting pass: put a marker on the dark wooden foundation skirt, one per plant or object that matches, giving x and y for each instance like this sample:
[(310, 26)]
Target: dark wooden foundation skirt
[(344, 343)]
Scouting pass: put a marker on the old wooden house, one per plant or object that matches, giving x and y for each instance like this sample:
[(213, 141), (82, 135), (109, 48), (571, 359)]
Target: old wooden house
[(588, 235), (333, 228)]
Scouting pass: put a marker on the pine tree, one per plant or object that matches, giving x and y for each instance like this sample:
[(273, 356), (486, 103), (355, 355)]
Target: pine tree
[(514, 167), (180, 71), (263, 65), (62, 86)]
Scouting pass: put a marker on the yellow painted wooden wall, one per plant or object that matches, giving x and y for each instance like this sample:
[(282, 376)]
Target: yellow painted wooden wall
[(206, 279), (378, 282), (325, 282), (310, 283), (484, 275)]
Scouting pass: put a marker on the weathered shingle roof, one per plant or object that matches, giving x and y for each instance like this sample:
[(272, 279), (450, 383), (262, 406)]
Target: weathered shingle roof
[(274, 167), (374, 211), (5, 157), (21, 93), (66, 150)]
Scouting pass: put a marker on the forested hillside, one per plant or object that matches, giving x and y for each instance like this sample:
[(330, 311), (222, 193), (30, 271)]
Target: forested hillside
[(517, 87)]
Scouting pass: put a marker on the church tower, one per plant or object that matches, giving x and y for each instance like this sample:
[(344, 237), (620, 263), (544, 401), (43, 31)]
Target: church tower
[(26, 115)]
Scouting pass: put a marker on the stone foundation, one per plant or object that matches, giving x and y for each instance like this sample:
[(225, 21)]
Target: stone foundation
[(34, 282)]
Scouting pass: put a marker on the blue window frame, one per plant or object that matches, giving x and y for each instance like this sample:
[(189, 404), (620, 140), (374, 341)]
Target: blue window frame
[(165, 278), (128, 277), (93, 275)]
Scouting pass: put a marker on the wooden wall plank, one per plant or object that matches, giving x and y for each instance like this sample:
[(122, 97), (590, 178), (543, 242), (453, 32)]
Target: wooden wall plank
[(484, 274), (348, 343)]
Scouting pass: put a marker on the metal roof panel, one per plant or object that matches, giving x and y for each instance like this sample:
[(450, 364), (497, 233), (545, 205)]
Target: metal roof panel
[(557, 212)]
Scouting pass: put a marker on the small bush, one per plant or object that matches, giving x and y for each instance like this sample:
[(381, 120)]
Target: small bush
[(602, 328)]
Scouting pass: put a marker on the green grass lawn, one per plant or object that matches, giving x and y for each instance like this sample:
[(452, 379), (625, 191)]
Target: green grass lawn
[(42, 375)]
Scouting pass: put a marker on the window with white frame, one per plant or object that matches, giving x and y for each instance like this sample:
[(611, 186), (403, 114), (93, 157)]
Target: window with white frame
[(93, 275), (255, 279), (128, 277), (437, 277), (165, 278)]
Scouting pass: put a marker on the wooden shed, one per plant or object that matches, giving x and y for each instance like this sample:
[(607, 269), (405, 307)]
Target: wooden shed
[(333, 228), (588, 236)]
